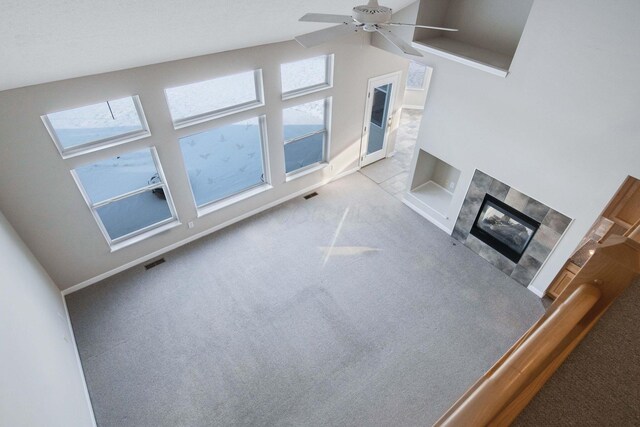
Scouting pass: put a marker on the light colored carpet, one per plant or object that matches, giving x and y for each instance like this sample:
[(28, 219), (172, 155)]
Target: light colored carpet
[(263, 324)]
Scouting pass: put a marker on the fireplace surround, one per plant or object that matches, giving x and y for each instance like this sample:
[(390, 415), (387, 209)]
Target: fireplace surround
[(533, 251)]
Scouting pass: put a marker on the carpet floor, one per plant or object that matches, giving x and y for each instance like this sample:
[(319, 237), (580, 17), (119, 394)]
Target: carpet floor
[(345, 309)]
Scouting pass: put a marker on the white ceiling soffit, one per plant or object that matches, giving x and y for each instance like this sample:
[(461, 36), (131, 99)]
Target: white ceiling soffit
[(44, 40)]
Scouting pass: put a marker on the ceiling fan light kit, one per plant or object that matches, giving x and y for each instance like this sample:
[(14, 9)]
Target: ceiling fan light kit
[(370, 18), (371, 14)]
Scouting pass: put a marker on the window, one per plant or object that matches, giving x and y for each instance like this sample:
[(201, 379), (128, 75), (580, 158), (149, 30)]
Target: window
[(202, 101), (306, 135), (85, 129), (127, 195), (416, 76), (225, 161), (308, 75)]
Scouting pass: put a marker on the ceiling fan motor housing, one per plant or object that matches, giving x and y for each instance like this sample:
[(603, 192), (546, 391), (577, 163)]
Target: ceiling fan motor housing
[(368, 14)]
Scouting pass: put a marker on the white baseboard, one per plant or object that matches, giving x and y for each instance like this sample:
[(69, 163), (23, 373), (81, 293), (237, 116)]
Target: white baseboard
[(538, 292), (78, 362), (190, 239), (428, 217), (413, 107)]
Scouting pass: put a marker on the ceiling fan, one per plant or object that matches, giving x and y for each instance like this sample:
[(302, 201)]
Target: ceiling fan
[(370, 17)]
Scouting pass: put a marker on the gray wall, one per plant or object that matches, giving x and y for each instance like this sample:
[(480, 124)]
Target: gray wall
[(42, 202), (41, 382), (492, 24), (562, 127)]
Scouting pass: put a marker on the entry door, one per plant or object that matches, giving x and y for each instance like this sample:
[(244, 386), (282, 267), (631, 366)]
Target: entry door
[(378, 117)]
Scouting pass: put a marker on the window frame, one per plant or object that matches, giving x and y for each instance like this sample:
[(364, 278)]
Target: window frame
[(325, 143), (221, 112), (424, 79), (145, 232), (100, 144), (215, 205), (328, 84)]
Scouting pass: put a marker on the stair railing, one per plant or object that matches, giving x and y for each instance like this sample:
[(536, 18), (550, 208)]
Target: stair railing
[(504, 391)]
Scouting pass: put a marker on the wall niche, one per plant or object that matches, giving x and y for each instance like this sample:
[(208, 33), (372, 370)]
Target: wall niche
[(488, 36)]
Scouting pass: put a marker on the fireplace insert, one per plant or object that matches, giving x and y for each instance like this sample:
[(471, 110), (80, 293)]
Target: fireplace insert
[(504, 228)]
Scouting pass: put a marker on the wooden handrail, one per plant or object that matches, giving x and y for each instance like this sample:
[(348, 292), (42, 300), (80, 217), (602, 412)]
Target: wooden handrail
[(634, 232), (486, 401), (502, 393)]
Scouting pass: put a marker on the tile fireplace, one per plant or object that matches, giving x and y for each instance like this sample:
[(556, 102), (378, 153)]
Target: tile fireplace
[(510, 230)]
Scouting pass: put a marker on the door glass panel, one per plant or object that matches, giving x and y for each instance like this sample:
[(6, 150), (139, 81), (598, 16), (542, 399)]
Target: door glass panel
[(379, 115)]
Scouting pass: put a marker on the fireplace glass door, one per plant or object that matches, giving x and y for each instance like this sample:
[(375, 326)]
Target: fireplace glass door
[(504, 228)]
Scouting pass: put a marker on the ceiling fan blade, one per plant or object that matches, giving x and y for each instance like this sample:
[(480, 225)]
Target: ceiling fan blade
[(398, 42), (323, 17), (328, 34), (399, 24)]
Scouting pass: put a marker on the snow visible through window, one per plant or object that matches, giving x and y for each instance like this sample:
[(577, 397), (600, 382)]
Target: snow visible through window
[(224, 161), (126, 193), (212, 96), (309, 73), (416, 75), (98, 122), (304, 135)]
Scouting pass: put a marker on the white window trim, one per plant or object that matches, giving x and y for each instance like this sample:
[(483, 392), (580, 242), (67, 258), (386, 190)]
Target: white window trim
[(223, 112), (246, 193), (233, 199), (307, 170), (143, 233), (100, 144), (424, 79), (314, 88), (289, 176)]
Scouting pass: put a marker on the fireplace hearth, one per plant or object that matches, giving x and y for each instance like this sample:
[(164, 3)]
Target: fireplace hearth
[(504, 228)]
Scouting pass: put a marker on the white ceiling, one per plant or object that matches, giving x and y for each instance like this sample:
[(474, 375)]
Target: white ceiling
[(45, 40)]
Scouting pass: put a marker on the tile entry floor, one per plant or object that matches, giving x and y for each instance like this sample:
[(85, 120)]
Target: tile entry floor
[(391, 173)]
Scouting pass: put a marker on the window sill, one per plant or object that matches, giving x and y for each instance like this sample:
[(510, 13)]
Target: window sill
[(306, 171), (101, 145), (140, 237), (231, 200), (305, 91), (205, 117)]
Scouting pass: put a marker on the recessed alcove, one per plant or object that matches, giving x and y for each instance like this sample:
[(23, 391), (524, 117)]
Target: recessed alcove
[(488, 36), (433, 183)]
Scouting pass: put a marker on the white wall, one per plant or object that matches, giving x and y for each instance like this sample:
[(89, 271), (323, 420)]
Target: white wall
[(41, 383), (42, 202), (562, 127)]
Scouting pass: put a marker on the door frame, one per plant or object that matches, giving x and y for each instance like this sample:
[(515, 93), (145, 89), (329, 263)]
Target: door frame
[(393, 78)]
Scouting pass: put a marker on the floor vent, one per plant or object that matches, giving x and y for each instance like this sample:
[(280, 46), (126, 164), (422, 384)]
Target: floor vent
[(154, 263), (308, 196)]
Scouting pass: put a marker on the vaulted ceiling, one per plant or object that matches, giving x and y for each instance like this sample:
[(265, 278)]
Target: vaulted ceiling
[(44, 40)]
